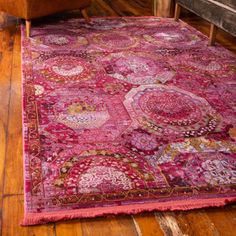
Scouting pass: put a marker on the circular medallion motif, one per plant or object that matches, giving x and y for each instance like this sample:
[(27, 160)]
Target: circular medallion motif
[(170, 108), (67, 68), (137, 68), (102, 170), (101, 177), (171, 37), (114, 40), (171, 111), (81, 115), (86, 115), (103, 24), (57, 40), (204, 65)]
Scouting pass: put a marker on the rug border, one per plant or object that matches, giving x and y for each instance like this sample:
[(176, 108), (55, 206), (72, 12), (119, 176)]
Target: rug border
[(184, 205)]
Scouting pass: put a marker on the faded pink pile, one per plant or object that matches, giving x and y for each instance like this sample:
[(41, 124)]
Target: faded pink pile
[(125, 115)]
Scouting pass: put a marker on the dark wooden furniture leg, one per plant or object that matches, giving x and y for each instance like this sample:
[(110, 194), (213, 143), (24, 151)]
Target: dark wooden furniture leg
[(212, 36), (85, 15), (28, 27)]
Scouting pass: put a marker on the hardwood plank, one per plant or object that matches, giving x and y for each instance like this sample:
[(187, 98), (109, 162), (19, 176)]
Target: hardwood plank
[(144, 7), (6, 52), (120, 9), (128, 8), (196, 223), (96, 10), (13, 183), (224, 219), (2, 158), (13, 214), (110, 226), (106, 9), (147, 225), (70, 228), (168, 223)]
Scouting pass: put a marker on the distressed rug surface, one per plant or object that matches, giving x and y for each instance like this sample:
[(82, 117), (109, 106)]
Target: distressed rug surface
[(125, 115)]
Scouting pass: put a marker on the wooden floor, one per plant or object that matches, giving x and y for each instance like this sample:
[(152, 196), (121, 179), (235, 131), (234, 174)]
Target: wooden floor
[(220, 221)]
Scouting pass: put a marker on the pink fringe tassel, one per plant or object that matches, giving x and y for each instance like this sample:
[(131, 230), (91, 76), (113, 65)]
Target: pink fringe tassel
[(43, 218)]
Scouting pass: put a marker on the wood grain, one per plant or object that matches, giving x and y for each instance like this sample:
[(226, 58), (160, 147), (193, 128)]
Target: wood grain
[(6, 53), (147, 219), (195, 223), (13, 183), (168, 223), (70, 228), (224, 219), (108, 10), (110, 226), (2, 18), (12, 216), (2, 158)]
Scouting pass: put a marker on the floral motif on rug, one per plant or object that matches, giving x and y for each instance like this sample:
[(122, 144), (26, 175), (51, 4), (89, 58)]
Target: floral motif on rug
[(125, 115)]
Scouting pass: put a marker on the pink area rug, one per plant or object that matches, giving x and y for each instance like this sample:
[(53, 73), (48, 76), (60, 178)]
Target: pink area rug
[(126, 115)]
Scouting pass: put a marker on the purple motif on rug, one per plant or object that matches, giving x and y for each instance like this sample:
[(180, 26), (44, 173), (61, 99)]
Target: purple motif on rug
[(126, 115)]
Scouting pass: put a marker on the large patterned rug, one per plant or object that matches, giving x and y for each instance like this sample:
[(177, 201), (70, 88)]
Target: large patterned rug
[(126, 115)]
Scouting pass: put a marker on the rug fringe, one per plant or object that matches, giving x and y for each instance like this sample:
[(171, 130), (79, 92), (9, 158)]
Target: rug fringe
[(43, 218)]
